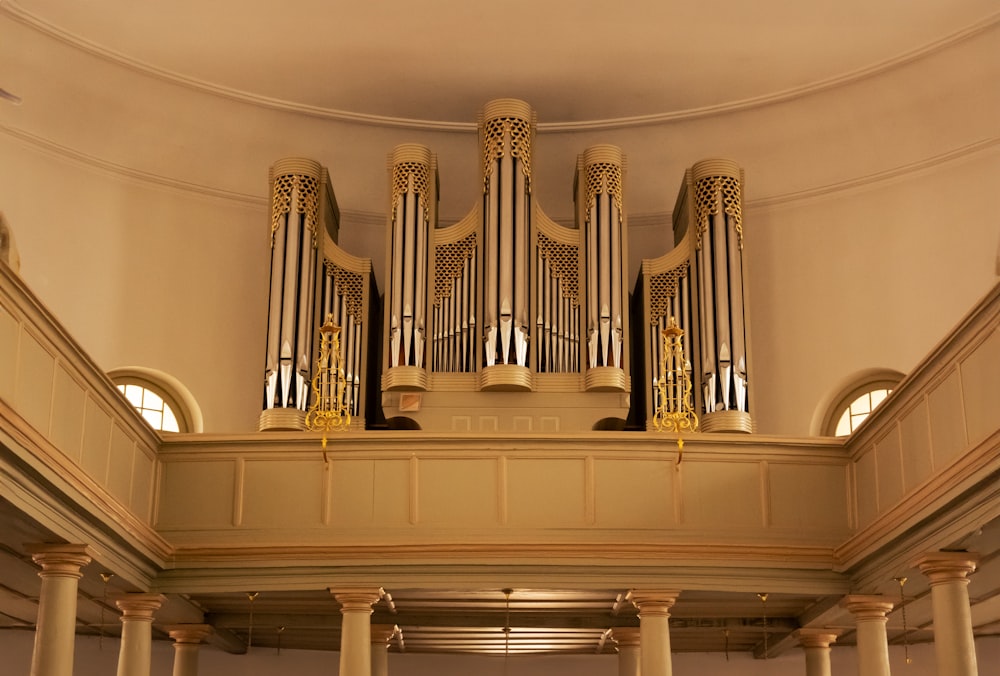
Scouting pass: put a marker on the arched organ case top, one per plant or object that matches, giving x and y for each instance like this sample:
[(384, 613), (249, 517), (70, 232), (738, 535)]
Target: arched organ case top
[(413, 202), (310, 279)]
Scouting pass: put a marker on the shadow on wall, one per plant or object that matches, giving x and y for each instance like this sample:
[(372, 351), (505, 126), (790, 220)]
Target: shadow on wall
[(8, 249)]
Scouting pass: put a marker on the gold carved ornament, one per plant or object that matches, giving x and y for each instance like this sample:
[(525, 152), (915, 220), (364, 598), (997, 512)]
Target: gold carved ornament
[(563, 260), (449, 261), (707, 203), (329, 410), (308, 202), (401, 173), (674, 410), (604, 177), (494, 132)]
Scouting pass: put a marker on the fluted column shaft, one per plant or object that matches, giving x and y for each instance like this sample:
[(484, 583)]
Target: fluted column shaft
[(954, 644), (629, 654), (187, 642), (137, 629), (55, 633), (355, 633), (654, 630), (816, 646), (870, 614)]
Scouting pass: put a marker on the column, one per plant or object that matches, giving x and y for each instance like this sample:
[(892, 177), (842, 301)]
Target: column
[(953, 641), (654, 629), (816, 646), (355, 632), (137, 623), (870, 614), (629, 655), (187, 640), (381, 635), (55, 633)]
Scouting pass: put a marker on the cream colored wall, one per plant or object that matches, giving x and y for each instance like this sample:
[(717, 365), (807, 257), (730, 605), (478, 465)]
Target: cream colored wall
[(152, 181)]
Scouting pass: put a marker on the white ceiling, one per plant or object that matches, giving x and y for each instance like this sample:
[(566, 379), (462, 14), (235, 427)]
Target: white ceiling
[(574, 60)]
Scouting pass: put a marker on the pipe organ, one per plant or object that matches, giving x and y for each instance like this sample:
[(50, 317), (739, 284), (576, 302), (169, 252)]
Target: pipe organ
[(701, 284), (505, 319), (311, 279)]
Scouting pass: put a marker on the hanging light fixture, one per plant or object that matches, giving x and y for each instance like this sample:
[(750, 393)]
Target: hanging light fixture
[(251, 597), (763, 605), (674, 410), (902, 608), (106, 578), (506, 629), (329, 411)]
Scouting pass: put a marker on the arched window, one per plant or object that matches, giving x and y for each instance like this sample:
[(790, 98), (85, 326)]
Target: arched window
[(161, 400), (854, 401)]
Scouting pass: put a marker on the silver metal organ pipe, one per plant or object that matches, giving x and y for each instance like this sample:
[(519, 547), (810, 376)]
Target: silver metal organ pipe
[(409, 273), (618, 328), (396, 313), (490, 264), (593, 315), (506, 248), (420, 293), (604, 272)]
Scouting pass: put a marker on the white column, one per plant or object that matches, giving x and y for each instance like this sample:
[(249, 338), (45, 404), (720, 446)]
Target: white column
[(870, 614), (629, 656), (55, 633), (816, 646), (953, 640), (355, 633), (381, 635), (137, 632), (187, 640), (654, 629)]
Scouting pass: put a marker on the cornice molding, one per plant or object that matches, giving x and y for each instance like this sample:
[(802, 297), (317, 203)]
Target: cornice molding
[(37, 23)]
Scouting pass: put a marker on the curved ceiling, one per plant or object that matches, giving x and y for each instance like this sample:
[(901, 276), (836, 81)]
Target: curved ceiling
[(438, 61)]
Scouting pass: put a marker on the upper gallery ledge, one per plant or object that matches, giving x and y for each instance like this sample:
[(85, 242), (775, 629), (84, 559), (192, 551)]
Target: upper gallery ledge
[(13, 10)]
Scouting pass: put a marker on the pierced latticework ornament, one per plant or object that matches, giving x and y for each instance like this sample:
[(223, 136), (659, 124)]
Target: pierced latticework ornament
[(674, 408), (329, 410)]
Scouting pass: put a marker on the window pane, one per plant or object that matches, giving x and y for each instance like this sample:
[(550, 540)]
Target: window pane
[(169, 421), (878, 396), (861, 405), (134, 394), (844, 424), (152, 400), (155, 418)]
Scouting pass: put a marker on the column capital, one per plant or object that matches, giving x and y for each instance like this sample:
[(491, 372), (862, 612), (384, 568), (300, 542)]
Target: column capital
[(654, 601), (139, 607), (815, 638), (59, 560), (357, 598), (383, 633), (948, 566), (626, 636), (867, 606), (189, 633)]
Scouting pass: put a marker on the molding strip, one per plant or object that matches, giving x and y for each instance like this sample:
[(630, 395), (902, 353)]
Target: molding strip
[(23, 16)]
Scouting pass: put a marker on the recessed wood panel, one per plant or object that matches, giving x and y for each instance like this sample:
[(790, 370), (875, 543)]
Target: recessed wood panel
[(634, 494), (981, 388), (141, 498), (866, 481), (120, 464), (947, 421), (33, 398), (352, 483), (721, 494), (459, 493), (283, 493), (914, 431), (96, 441), (196, 494), (890, 470), (546, 492), (69, 400), (809, 497), (9, 329)]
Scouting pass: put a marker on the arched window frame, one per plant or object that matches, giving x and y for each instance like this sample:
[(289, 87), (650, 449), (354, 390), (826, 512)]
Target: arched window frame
[(174, 394), (833, 407)]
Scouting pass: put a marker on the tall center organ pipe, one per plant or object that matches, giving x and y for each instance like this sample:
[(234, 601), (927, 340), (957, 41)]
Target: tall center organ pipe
[(295, 236), (506, 131)]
